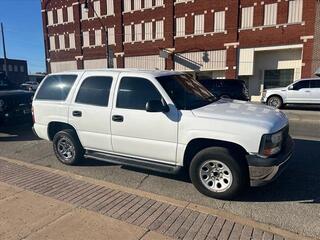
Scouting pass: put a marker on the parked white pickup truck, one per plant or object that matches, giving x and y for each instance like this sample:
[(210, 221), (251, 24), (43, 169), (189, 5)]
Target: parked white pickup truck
[(163, 121)]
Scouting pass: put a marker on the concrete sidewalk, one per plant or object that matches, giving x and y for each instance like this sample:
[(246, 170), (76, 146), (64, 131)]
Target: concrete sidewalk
[(27, 215), (41, 203)]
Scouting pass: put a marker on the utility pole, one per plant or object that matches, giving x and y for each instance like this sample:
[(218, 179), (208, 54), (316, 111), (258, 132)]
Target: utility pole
[(4, 52), (109, 60)]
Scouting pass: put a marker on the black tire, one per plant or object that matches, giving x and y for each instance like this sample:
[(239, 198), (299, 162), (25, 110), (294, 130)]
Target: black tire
[(275, 101), (237, 166), (76, 150)]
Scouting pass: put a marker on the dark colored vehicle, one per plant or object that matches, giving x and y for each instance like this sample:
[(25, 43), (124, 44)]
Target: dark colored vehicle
[(14, 104), (227, 88)]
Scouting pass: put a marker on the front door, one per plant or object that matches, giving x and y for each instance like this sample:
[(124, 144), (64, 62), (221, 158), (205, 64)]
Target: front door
[(299, 92), (90, 110), (138, 133)]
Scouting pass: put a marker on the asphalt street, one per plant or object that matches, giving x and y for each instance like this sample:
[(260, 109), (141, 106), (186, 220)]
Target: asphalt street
[(291, 202)]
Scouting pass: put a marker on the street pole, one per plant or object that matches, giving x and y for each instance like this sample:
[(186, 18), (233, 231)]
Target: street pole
[(4, 52), (105, 30)]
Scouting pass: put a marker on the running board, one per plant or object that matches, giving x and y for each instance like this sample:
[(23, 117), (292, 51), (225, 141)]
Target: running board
[(133, 162)]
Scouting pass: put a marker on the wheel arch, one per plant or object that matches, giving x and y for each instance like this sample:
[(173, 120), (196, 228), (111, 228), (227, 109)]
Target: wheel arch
[(198, 144), (276, 95), (56, 126)]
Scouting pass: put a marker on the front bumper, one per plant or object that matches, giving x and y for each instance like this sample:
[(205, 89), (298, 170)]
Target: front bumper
[(265, 170)]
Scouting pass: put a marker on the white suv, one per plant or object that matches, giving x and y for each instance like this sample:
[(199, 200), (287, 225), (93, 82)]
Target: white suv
[(304, 91), (163, 121)]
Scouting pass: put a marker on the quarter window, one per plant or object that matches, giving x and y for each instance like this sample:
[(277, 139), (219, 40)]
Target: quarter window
[(315, 84), (134, 93), (95, 91), (56, 87), (301, 84)]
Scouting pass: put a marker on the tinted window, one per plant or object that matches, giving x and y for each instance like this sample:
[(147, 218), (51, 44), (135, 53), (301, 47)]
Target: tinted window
[(278, 78), (95, 91), (300, 85), (315, 84), (208, 83), (134, 93), (56, 87)]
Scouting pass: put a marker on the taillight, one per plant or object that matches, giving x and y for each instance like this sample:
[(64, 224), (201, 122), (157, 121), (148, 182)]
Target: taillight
[(32, 111)]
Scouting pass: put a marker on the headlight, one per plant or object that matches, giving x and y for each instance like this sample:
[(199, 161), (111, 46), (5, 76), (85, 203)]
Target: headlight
[(271, 144)]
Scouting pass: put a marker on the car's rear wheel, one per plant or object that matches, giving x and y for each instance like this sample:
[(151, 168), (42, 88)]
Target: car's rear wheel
[(275, 101), (216, 173), (67, 147)]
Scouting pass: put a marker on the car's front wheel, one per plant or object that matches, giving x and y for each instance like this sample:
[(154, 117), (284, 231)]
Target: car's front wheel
[(67, 147), (216, 173), (275, 101)]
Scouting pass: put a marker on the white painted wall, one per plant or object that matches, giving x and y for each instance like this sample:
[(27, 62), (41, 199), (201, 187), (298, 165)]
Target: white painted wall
[(63, 66), (145, 62)]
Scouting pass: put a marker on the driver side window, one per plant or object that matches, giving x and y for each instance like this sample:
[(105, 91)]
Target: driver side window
[(134, 93), (300, 85)]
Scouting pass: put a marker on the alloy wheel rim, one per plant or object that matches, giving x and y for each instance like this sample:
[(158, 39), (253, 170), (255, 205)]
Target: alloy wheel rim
[(65, 149), (215, 176), (274, 102)]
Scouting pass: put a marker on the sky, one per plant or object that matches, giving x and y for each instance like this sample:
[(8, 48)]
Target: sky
[(23, 32)]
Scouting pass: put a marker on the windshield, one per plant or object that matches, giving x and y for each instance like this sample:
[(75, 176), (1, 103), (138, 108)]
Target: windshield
[(185, 92)]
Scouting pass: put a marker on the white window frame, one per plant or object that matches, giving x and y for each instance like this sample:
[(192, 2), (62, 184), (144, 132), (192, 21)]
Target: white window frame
[(111, 36), (138, 32), (86, 38), (198, 24), (219, 21), (128, 33), (52, 43), (98, 37), (247, 15), (84, 12), (70, 14), (295, 11), (62, 44), (60, 15), (180, 26), (148, 4), (158, 3), (137, 5), (50, 18), (72, 41), (160, 29), (110, 7), (97, 8), (148, 31), (270, 14), (127, 6)]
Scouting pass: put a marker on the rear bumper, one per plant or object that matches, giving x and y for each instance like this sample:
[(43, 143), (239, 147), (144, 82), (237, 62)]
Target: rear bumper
[(265, 170)]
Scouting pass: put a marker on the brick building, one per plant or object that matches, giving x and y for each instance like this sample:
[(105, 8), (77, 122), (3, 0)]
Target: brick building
[(16, 70), (267, 43)]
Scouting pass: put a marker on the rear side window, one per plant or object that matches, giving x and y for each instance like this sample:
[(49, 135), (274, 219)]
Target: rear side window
[(315, 84), (95, 91), (56, 87), (134, 93)]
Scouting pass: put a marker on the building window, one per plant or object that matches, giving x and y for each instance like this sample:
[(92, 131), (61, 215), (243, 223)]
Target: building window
[(137, 4), (138, 32), (72, 42), (98, 37), (247, 17), (219, 21), (270, 14), (110, 7), (70, 14), (52, 43), (86, 39), (111, 36), (50, 18), (60, 16), (127, 5), (84, 12), (15, 68), (61, 42), (21, 68), (10, 67), (147, 3), (159, 3), (128, 33), (295, 11), (159, 29), (97, 9), (199, 24), (278, 78), (148, 34), (180, 26)]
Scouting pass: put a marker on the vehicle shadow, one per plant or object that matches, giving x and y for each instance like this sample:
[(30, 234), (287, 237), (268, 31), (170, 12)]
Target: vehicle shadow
[(302, 107), (13, 132)]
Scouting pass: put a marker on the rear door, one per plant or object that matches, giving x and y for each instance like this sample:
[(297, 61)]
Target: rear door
[(315, 91), (90, 110)]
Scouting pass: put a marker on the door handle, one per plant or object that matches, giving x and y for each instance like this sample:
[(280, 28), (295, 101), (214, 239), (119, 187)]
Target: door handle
[(77, 113), (117, 118), (307, 91)]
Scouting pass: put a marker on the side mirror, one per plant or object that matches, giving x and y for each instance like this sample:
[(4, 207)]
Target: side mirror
[(157, 106), (290, 88)]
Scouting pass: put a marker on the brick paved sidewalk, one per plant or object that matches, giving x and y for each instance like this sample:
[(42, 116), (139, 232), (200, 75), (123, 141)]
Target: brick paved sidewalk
[(82, 208)]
